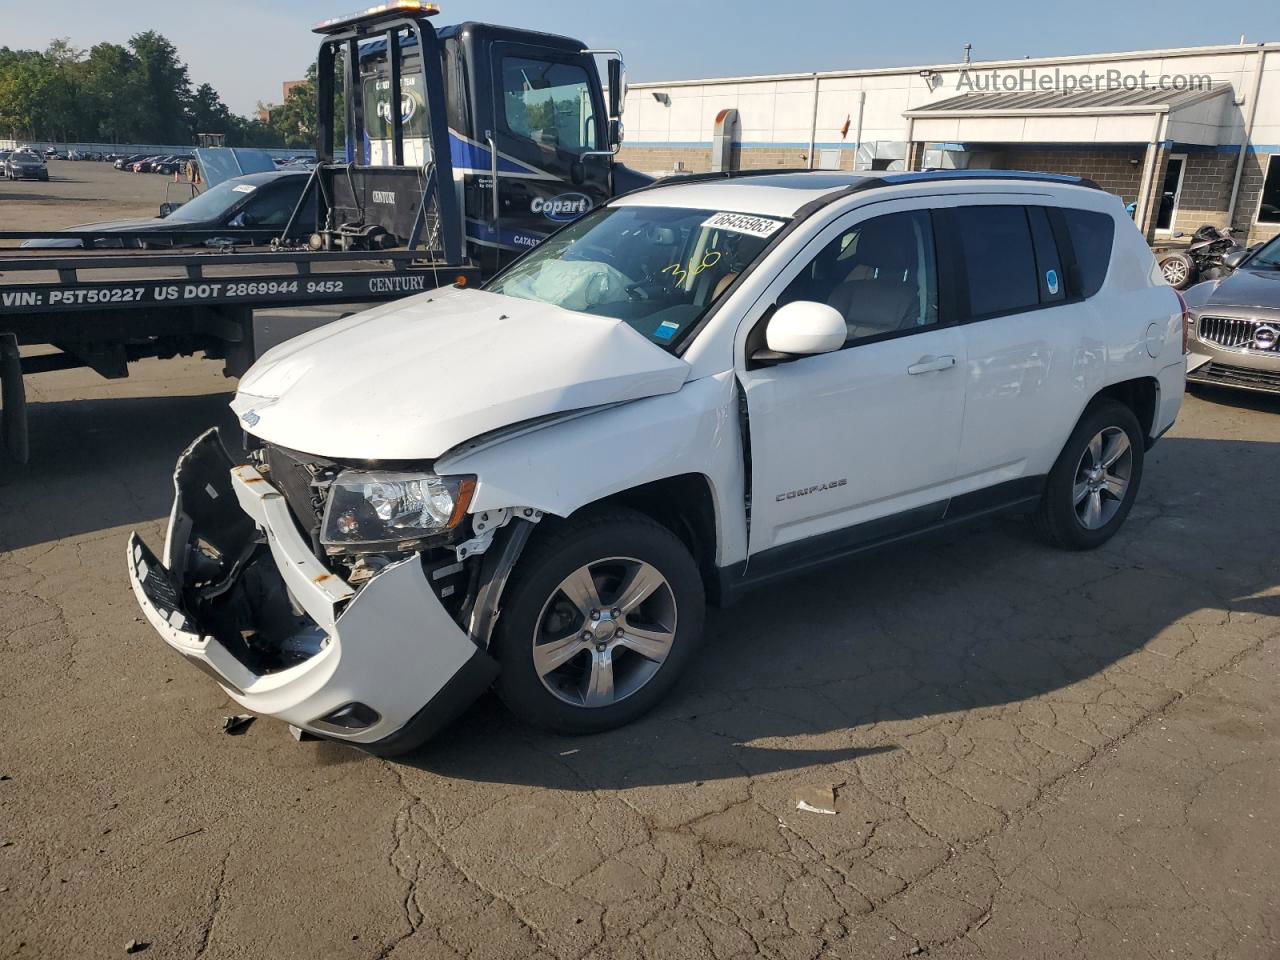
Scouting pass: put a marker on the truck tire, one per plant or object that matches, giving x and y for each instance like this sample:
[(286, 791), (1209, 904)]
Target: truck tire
[(599, 622), (1092, 486)]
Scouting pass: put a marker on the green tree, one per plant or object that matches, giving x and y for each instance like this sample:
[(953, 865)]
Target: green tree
[(111, 83), (140, 93), (296, 121), (208, 113), (165, 89)]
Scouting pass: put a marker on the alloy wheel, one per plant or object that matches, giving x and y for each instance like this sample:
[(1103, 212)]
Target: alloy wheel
[(604, 632), (1102, 477), (1175, 272)]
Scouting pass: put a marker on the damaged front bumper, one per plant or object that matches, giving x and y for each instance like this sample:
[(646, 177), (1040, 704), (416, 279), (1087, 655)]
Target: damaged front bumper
[(242, 597)]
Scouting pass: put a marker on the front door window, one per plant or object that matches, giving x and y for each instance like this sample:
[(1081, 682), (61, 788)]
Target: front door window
[(549, 103)]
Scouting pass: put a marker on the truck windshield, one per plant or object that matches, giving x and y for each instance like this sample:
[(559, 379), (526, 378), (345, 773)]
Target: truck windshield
[(657, 268)]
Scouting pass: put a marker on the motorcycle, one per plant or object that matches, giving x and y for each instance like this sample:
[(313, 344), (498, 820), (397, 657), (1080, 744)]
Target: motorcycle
[(1203, 258)]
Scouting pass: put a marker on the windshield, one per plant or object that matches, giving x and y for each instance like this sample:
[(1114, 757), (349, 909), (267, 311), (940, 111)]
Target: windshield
[(212, 203), (1268, 258), (657, 268)]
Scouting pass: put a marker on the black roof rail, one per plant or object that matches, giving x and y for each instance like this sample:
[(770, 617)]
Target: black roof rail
[(934, 174), (708, 176), (881, 180)]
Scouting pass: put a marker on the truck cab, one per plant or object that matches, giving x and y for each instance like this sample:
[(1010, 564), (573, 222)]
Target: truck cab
[(514, 127)]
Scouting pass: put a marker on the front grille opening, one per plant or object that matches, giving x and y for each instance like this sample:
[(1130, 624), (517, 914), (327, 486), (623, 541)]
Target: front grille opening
[(1237, 334)]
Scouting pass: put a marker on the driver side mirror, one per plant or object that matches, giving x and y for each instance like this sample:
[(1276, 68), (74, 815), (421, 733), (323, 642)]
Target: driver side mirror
[(1233, 259), (617, 88), (799, 329)]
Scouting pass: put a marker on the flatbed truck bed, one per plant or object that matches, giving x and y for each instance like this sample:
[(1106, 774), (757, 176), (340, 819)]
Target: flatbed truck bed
[(104, 309)]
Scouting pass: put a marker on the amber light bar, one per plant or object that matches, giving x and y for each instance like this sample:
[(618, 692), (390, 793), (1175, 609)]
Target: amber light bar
[(382, 9)]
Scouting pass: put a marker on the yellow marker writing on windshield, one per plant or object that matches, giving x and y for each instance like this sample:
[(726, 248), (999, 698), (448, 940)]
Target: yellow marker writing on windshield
[(678, 273)]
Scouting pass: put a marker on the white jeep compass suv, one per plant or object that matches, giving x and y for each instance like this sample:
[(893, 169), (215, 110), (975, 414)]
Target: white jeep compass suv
[(701, 387)]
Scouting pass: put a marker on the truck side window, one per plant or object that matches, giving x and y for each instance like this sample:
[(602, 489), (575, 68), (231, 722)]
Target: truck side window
[(881, 276), (549, 103)]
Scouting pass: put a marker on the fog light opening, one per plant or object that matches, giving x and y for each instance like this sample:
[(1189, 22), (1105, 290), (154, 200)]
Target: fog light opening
[(353, 716)]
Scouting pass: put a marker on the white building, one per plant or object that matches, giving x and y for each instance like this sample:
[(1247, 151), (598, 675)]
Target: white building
[(1188, 136)]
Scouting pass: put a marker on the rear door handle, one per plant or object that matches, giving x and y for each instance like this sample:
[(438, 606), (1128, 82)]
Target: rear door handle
[(931, 364)]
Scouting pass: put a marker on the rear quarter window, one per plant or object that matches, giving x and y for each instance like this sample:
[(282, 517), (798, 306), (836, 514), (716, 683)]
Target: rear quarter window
[(1092, 237)]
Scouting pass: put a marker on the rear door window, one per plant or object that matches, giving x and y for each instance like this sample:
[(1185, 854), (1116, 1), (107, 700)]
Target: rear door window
[(999, 260)]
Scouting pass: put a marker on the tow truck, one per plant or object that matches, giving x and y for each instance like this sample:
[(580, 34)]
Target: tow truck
[(461, 148)]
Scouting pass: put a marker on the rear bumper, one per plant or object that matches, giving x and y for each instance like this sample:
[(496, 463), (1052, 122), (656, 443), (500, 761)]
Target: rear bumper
[(382, 668)]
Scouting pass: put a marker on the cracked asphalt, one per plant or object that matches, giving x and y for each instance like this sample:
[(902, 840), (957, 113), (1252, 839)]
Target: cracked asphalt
[(1031, 753)]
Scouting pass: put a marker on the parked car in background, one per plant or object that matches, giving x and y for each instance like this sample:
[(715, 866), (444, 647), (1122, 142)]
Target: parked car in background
[(238, 210), (170, 165), (784, 370), (126, 162), (1234, 326), (23, 165)]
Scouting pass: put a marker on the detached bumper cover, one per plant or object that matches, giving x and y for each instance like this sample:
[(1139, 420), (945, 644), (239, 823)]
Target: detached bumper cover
[(391, 646)]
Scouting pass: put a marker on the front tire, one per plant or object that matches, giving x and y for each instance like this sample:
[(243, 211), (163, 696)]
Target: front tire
[(1093, 484), (1179, 270), (599, 622)]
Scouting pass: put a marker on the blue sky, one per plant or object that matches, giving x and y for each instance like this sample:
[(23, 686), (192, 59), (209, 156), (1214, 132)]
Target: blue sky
[(246, 49)]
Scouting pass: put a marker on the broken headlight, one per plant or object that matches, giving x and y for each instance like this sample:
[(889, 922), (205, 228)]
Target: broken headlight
[(387, 509)]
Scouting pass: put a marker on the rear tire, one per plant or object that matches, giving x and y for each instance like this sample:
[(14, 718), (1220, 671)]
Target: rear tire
[(600, 620), (1093, 484)]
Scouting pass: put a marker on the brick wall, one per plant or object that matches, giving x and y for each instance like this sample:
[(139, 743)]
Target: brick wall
[(696, 158), (1206, 190), (1117, 170), (1255, 169)]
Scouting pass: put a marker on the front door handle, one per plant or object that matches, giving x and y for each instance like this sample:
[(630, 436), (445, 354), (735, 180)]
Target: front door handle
[(931, 364)]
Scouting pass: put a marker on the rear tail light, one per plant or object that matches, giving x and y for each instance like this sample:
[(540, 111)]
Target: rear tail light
[(1186, 322)]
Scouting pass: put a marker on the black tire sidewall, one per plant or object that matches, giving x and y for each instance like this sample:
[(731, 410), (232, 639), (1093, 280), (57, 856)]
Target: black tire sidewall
[(1058, 508), (540, 571)]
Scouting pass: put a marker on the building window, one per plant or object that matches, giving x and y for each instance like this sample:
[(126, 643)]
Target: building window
[(1269, 208)]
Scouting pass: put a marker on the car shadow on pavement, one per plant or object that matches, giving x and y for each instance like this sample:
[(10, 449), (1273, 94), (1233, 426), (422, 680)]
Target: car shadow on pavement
[(827, 666), (100, 463)]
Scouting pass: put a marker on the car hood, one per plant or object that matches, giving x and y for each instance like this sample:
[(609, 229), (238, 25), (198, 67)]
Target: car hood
[(106, 226), (111, 226), (1244, 288), (411, 379)]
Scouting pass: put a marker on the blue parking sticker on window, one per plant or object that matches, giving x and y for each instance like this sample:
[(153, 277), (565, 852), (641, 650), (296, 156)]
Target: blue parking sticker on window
[(1051, 281), (666, 330)]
